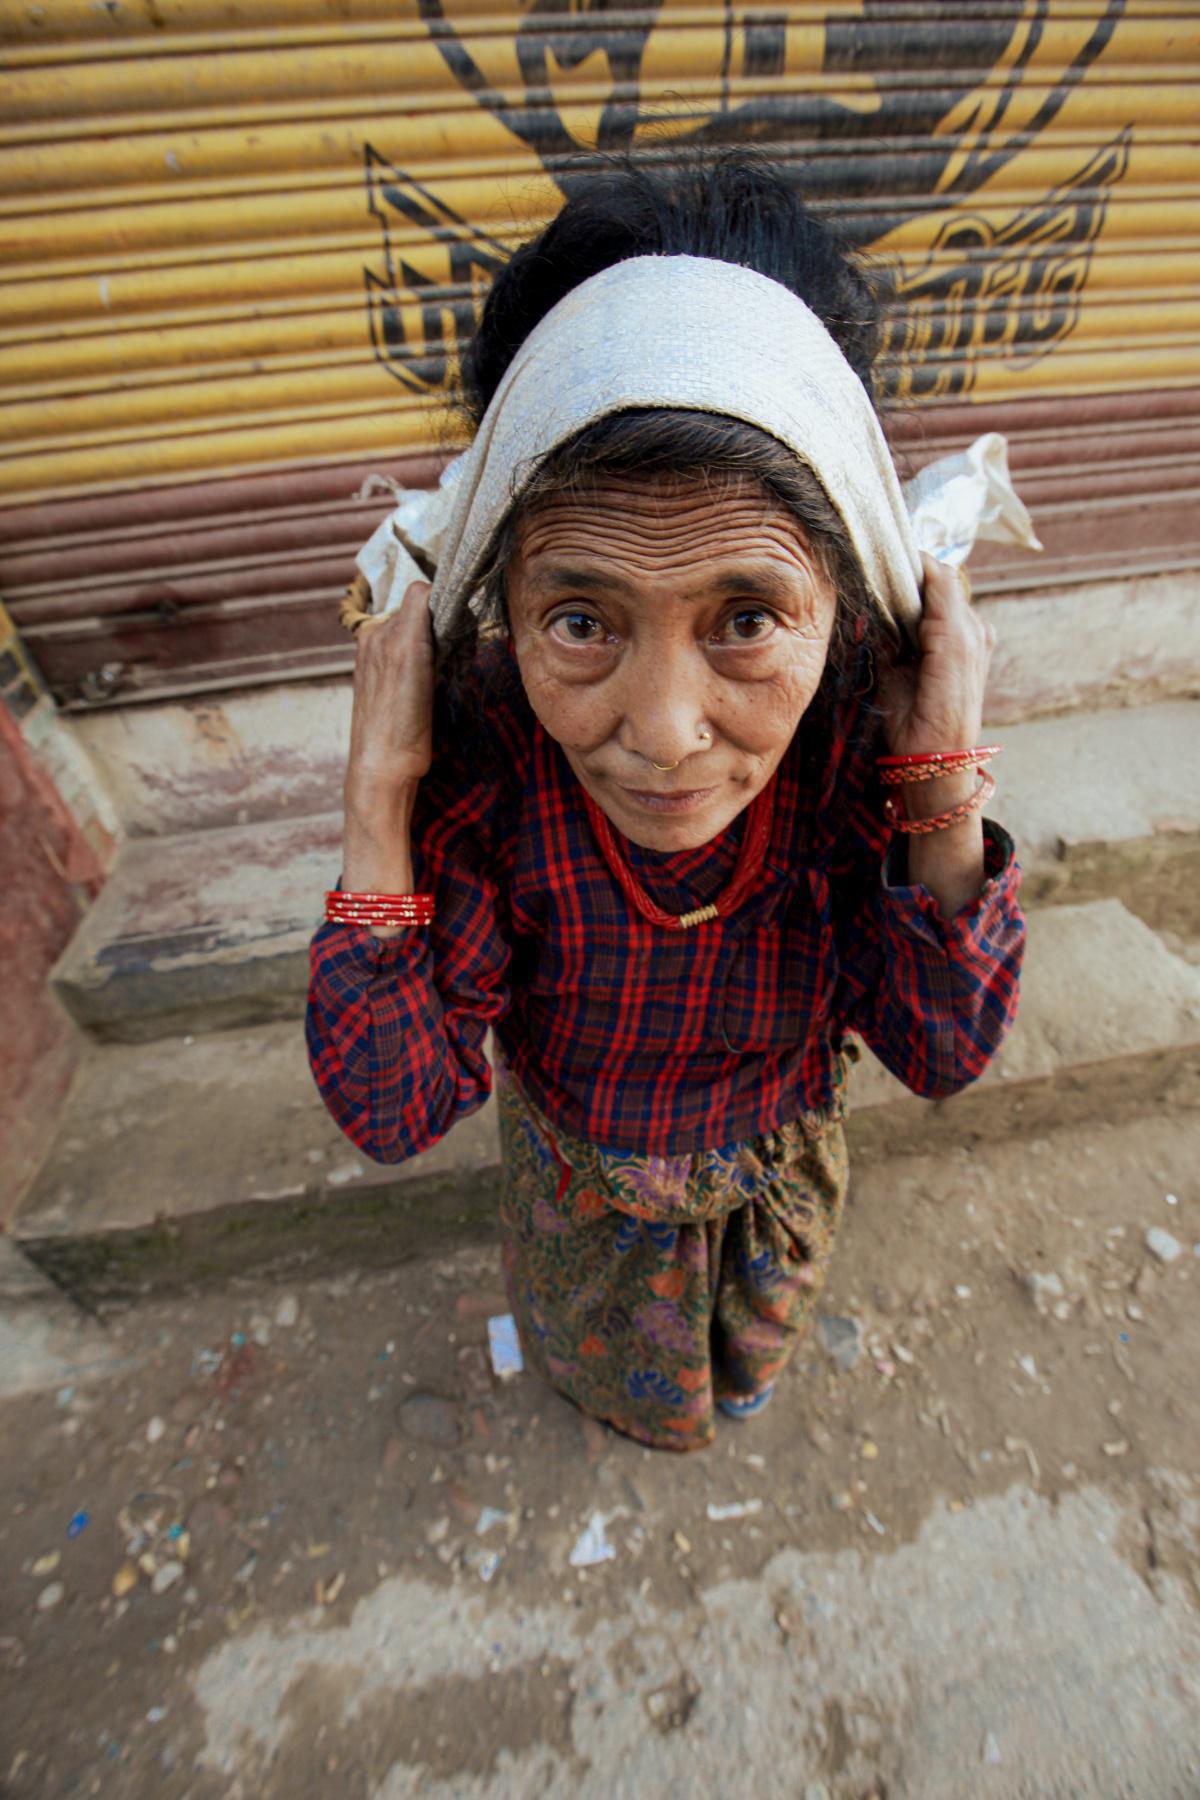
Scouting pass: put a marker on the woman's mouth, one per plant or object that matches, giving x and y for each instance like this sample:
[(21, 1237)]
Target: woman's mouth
[(688, 800)]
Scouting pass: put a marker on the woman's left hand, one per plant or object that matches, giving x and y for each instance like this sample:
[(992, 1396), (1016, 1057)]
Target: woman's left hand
[(936, 703)]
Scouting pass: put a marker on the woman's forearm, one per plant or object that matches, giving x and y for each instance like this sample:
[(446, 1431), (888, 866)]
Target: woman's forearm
[(948, 862), (377, 841)]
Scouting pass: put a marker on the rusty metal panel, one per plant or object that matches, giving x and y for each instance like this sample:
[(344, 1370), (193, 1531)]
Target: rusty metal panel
[(242, 241)]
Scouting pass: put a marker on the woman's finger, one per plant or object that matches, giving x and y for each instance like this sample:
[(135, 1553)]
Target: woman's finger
[(945, 587), (405, 625)]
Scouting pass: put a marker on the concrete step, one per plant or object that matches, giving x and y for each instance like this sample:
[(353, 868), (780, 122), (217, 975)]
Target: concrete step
[(210, 1155), (1108, 803), (210, 930), (46, 1339), (202, 932)]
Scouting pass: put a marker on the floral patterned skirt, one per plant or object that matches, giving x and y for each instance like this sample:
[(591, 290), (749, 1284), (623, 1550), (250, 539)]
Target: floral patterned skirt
[(647, 1287)]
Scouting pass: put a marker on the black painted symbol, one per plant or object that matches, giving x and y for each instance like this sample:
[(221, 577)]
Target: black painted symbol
[(958, 102), (445, 269), (1016, 289)]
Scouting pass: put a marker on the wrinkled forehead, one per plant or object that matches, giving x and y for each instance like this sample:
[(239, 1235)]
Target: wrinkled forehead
[(641, 542)]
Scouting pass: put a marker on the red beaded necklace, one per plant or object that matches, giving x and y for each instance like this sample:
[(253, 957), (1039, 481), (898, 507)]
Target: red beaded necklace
[(755, 839)]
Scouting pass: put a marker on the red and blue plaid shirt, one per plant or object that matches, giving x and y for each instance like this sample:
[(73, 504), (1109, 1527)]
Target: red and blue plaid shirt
[(625, 1034)]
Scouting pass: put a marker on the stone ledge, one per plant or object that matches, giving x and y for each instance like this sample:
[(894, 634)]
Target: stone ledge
[(215, 1154), (210, 931), (202, 932)]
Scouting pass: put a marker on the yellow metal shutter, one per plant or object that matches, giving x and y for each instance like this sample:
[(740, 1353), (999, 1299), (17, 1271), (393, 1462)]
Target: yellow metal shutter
[(241, 241)]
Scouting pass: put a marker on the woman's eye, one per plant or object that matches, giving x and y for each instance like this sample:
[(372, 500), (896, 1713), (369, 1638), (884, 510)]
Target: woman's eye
[(749, 625), (578, 627)]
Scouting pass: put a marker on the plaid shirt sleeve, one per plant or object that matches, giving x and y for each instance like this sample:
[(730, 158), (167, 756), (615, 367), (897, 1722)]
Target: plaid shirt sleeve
[(396, 1027), (934, 998)]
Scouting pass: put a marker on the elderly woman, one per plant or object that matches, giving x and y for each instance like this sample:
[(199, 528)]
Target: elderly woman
[(686, 790)]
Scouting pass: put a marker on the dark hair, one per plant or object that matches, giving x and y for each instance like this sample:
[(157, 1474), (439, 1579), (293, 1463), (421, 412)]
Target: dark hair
[(736, 208)]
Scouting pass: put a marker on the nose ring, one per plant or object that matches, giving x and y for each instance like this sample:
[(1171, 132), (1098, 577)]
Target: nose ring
[(665, 768)]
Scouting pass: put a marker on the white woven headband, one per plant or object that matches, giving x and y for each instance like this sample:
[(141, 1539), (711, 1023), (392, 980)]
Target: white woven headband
[(680, 332)]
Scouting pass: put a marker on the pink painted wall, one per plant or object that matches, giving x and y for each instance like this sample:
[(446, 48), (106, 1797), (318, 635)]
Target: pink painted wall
[(48, 873)]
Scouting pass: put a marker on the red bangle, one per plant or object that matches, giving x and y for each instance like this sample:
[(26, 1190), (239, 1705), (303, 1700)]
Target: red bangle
[(941, 821), (894, 771), (385, 910)]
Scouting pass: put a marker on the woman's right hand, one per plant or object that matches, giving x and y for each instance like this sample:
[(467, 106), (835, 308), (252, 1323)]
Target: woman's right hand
[(391, 729), (391, 747)]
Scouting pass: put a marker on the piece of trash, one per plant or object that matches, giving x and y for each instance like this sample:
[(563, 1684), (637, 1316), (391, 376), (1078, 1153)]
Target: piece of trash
[(78, 1523), (1015, 1444), (328, 1591), (489, 1516), (489, 1564), (237, 1339), (991, 1749), (906, 1356), (50, 1596), (734, 1509), (125, 1580), (682, 1543), (885, 1365), (592, 1545), (156, 1715), (962, 1290), (1116, 1449), (505, 1346), (64, 1396), (1043, 1287), (155, 1429), (167, 1576), (315, 1550), (873, 1522), (46, 1565), (841, 1337), (869, 1448), (1162, 1245), (288, 1311), (1030, 1367), (206, 1362), (1172, 1199)]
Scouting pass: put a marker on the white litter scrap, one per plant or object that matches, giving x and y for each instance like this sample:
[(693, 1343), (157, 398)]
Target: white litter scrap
[(592, 1545), (736, 1509), (505, 1346)]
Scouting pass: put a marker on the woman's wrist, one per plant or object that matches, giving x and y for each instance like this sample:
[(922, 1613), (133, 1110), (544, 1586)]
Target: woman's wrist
[(377, 839), (948, 862), (928, 799), (376, 800)]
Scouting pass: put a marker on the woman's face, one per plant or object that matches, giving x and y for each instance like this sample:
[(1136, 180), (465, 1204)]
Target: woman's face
[(669, 637)]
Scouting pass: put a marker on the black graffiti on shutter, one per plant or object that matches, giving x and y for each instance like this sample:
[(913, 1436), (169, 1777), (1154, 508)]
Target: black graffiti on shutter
[(766, 44), (871, 167), (448, 294), (569, 31), (1013, 291)]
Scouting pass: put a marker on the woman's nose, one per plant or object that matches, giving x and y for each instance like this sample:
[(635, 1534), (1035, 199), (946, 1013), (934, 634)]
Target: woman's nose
[(664, 714)]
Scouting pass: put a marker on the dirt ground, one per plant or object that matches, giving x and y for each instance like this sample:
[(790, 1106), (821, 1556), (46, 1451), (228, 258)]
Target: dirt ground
[(305, 1544)]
